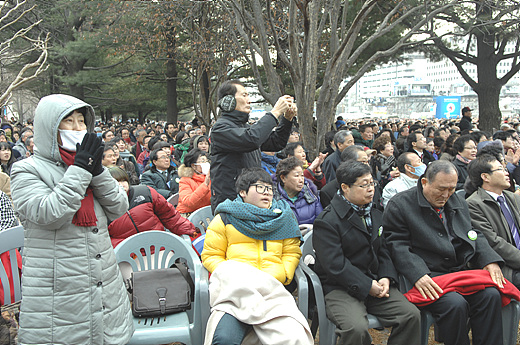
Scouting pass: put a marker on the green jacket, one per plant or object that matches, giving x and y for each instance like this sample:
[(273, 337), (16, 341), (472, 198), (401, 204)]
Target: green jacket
[(358, 139)]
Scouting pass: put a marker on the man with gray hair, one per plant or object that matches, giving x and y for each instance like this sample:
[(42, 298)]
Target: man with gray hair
[(352, 153), (342, 140), (429, 234), (21, 144), (139, 145)]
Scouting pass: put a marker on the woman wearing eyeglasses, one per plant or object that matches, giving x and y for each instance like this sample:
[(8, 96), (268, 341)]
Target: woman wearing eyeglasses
[(252, 250), (466, 152), (195, 183), (300, 193)]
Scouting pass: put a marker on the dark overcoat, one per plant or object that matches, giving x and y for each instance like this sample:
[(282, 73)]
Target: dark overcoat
[(348, 256), (419, 243)]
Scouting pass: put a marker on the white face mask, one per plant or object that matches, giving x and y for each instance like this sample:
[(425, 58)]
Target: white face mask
[(205, 168), (69, 138)]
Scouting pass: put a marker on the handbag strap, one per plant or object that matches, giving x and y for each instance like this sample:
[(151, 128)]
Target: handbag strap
[(181, 266), (132, 219)]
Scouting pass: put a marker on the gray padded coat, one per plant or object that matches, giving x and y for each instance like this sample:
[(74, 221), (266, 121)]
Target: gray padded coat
[(73, 291)]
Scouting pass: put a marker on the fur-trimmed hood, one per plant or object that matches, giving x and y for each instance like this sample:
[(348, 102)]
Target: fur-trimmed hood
[(185, 171)]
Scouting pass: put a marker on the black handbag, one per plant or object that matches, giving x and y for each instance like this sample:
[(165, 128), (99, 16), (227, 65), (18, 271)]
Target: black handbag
[(161, 291)]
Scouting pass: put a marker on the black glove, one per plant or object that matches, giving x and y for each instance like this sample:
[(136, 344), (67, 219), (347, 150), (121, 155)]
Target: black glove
[(89, 154)]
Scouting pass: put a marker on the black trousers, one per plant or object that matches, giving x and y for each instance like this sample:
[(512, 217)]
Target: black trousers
[(484, 310)]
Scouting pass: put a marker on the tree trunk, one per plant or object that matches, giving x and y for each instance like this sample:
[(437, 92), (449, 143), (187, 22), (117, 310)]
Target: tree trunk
[(305, 89), (204, 99), (172, 110), (140, 116), (77, 91), (108, 115), (489, 86), (73, 68), (488, 103)]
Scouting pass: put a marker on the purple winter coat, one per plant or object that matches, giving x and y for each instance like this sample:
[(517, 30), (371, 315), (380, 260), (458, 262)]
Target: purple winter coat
[(307, 207)]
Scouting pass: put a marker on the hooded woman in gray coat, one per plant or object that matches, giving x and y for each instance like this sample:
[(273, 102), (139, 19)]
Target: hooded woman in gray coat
[(72, 289)]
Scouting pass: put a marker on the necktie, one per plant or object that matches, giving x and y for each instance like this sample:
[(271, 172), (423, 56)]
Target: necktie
[(510, 220), (439, 213)]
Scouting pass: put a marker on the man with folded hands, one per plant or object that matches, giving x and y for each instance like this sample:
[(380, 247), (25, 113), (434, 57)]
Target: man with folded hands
[(354, 264)]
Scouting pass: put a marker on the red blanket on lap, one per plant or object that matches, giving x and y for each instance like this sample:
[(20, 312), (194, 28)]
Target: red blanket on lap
[(465, 283)]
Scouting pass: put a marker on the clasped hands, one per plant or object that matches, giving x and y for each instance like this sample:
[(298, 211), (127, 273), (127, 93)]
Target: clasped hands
[(380, 288), (285, 106)]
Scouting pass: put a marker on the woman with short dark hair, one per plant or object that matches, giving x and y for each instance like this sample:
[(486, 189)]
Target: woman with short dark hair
[(252, 249), (195, 183), (383, 164), (466, 152), (313, 171), (297, 191)]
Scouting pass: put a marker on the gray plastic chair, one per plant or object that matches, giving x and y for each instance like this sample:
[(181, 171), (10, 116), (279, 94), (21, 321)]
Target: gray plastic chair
[(10, 240), (187, 327), (174, 199), (510, 319), (303, 291), (326, 327), (201, 218)]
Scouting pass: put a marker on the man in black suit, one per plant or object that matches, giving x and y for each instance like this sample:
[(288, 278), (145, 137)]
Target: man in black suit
[(417, 145), (354, 264), (429, 233)]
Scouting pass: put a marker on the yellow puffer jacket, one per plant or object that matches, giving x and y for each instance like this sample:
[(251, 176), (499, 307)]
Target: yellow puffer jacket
[(223, 242)]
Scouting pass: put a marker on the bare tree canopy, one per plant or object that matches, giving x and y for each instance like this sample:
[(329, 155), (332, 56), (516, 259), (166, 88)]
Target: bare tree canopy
[(484, 33), (17, 43), (321, 43)]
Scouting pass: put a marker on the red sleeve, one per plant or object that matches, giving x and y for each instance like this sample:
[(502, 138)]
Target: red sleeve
[(319, 183), (169, 216)]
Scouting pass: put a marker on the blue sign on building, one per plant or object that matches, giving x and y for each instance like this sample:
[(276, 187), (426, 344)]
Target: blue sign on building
[(448, 107)]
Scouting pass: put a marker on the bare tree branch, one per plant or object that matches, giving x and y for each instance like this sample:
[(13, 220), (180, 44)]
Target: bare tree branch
[(21, 44)]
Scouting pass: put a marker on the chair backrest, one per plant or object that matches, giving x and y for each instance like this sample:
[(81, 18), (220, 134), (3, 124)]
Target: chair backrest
[(150, 243), (307, 248), (161, 249), (201, 218), (10, 240), (174, 199)]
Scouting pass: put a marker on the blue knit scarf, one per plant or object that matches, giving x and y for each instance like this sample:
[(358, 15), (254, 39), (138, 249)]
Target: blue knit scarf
[(362, 211), (265, 224)]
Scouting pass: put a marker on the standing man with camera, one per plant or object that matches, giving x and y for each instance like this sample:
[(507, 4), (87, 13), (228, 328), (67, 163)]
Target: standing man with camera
[(235, 145)]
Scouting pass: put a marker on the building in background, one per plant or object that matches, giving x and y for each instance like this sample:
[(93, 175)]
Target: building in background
[(409, 88)]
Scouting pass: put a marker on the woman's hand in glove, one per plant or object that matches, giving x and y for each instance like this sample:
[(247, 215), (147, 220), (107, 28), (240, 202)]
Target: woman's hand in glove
[(89, 154)]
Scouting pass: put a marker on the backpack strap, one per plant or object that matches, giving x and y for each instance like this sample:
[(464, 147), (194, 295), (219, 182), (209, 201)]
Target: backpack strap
[(183, 268)]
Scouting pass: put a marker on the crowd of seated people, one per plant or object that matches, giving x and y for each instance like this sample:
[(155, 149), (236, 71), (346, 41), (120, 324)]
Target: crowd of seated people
[(397, 165)]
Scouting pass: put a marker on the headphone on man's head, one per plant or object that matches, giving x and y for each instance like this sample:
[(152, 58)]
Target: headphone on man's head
[(227, 103)]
